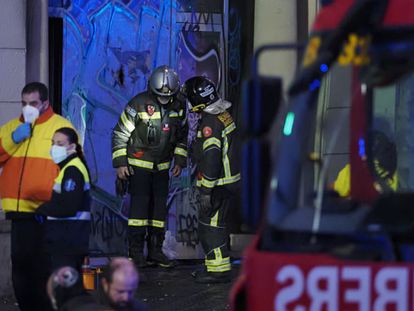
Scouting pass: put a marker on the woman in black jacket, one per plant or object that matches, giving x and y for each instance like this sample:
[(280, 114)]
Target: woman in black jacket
[(67, 214)]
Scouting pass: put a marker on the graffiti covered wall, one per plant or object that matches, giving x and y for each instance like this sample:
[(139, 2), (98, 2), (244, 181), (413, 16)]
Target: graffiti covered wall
[(109, 50), (200, 50)]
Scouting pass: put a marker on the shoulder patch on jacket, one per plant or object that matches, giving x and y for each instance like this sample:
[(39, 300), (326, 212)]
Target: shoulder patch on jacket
[(131, 111), (69, 185), (225, 118), (150, 110), (207, 131)]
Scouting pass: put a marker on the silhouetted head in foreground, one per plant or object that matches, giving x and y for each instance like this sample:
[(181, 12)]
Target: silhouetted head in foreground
[(120, 282)]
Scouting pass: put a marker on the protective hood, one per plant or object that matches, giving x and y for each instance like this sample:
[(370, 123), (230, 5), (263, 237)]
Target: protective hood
[(218, 107)]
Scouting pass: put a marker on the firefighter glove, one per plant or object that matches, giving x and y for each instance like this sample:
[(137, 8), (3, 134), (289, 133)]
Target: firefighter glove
[(22, 132), (121, 187), (205, 204)]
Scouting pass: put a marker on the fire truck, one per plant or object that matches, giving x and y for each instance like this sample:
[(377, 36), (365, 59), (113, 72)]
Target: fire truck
[(329, 167)]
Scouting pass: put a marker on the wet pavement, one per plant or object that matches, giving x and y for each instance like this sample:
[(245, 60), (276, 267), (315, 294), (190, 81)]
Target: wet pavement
[(8, 303), (172, 289), (175, 289)]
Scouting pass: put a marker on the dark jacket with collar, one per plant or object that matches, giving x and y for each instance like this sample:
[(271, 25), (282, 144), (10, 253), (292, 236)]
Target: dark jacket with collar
[(216, 152), (68, 212), (149, 134)]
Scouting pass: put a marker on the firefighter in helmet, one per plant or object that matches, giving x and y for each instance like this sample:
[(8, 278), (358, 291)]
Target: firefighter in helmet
[(383, 166), (215, 153), (150, 136)]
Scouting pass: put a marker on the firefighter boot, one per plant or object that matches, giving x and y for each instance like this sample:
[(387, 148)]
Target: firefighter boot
[(136, 242), (155, 253)]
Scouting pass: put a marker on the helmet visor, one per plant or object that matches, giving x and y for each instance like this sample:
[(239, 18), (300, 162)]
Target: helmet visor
[(164, 82)]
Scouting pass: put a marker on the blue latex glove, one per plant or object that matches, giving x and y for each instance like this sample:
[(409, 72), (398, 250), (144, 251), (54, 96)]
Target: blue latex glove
[(22, 132)]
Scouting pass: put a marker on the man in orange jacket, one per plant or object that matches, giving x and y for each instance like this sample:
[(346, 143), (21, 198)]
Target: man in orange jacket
[(25, 183)]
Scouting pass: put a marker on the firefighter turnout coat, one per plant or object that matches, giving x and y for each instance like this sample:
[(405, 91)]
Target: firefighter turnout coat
[(148, 135), (215, 153)]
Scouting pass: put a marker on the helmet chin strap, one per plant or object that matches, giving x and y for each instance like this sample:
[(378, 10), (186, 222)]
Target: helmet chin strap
[(198, 108)]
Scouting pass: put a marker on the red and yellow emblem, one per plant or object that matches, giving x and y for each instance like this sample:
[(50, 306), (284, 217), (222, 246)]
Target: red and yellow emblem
[(150, 110), (207, 131)]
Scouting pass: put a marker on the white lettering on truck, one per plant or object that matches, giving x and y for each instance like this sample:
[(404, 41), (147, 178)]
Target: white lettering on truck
[(326, 287)]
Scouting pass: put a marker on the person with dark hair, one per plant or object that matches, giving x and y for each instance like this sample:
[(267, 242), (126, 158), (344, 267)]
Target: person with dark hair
[(25, 183), (215, 151), (67, 226), (66, 292), (119, 283), (150, 135), (382, 161)]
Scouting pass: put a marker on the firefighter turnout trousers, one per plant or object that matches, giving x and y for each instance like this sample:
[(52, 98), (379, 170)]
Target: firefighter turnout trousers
[(213, 233), (149, 191)]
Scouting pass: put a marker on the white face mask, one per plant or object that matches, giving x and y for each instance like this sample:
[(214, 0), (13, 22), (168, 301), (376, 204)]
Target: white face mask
[(30, 113), (163, 100), (58, 153)]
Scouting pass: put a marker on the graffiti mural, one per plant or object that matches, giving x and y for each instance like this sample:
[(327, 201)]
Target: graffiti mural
[(200, 44), (234, 58), (110, 48), (184, 203), (200, 47), (108, 224)]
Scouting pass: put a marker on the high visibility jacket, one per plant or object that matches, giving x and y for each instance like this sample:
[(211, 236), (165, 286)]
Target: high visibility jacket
[(148, 135), (68, 212), (28, 170), (216, 153), (342, 184), (70, 197)]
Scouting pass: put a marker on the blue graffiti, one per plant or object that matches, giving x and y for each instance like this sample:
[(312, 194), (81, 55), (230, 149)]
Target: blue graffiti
[(110, 48), (234, 48)]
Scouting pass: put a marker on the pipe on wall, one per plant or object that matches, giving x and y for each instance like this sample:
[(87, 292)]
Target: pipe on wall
[(37, 53)]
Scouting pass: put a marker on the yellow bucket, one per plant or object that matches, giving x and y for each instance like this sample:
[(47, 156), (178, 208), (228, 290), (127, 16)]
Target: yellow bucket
[(88, 277)]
